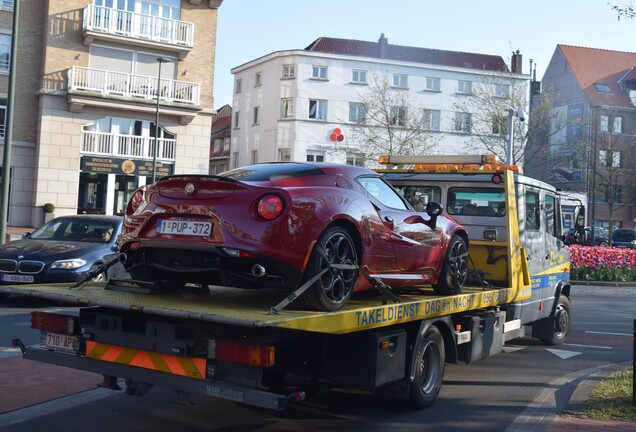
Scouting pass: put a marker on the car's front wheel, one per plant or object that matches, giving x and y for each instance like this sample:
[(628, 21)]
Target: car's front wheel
[(335, 254)]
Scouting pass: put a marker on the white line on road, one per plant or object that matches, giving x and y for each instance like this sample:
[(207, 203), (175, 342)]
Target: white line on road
[(588, 346), (607, 333)]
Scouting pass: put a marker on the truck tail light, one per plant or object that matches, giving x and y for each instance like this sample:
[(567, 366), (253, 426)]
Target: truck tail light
[(55, 323), (253, 355)]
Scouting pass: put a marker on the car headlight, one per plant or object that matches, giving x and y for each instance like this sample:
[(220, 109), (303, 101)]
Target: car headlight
[(70, 264)]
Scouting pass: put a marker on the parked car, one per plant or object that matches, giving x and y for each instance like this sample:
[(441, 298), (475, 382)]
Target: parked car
[(624, 238), (601, 237), (278, 225), (62, 251)]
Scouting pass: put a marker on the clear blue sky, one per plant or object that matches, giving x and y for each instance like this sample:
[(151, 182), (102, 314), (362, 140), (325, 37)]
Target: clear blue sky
[(248, 29)]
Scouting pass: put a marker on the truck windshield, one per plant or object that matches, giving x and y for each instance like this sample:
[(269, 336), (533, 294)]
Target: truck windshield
[(471, 201)]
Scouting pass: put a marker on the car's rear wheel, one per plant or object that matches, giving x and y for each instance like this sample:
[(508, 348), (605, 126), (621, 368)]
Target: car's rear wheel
[(334, 288), (455, 269)]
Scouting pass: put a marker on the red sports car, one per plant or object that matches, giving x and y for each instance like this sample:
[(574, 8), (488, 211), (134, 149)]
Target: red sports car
[(278, 225)]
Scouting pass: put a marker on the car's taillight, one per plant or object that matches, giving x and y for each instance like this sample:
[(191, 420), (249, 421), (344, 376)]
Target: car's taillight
[(253, 355), (135, 202), (55, 323), (270, 207)]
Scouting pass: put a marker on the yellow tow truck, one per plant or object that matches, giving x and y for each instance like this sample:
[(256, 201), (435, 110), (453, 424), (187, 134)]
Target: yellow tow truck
[(253, 347)]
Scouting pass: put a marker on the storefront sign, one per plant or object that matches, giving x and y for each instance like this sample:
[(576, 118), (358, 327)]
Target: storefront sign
[(131, 167)]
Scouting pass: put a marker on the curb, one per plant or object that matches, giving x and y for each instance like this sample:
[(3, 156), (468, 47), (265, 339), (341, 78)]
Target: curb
[(631, 284)]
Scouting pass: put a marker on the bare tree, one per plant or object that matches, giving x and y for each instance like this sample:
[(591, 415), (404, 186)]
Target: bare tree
[(388, 122), (626, 11), (489, 102)]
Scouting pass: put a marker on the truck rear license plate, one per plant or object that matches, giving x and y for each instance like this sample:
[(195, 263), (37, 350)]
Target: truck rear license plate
[(58, 342), (184, 227)]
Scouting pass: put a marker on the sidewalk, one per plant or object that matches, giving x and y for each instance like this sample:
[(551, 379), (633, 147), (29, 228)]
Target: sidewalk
[(16, 233), (570, 420)]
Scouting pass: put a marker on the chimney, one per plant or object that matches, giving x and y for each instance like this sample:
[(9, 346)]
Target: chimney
[(383, 43), (516, 65)]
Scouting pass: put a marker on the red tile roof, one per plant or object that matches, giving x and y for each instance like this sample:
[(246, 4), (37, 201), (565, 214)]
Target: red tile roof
[(592, 65), (382, 49)]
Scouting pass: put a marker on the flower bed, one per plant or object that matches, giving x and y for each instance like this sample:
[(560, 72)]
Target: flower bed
[(599, 263)]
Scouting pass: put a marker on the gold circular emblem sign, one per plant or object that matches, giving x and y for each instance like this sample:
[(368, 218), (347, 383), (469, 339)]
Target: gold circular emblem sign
[(128, 166)]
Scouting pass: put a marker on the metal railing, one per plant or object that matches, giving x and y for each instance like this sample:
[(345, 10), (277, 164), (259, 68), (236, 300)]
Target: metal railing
[(134, 86), (128, 146), (138, 26)]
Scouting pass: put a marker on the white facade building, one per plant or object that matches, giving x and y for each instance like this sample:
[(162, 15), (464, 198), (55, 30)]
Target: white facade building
[(302, 104)]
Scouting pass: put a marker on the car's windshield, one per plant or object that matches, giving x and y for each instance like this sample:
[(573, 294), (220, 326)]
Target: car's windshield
[(623, 235), (73, 229), (472, 201)]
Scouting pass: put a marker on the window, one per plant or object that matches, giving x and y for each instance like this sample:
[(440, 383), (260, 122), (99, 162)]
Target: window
[(463, 122), (609, 158), (432, 84), (235, 160), (618, 125), (284, 155), (550, 216), (381, 191), (357, 113), (499, 125), (257, 111), (319, 72), (603, 88), (356, 159), (217, 145), (287, 108), (502, 90), (3, 116), (432, 119), (257, 79), (317, 109), (397, 115), (237, 118), (226, 144), (289, 71), (612, 194), (359, 76), (313, 156), (254, 156), (420, 196), (400, 81), (5, 52), (472, 201), (239, 85), (604, 123), (464, 87), (6, 4), (532, 211)]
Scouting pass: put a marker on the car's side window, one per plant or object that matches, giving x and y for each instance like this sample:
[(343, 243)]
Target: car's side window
[(381, 191)]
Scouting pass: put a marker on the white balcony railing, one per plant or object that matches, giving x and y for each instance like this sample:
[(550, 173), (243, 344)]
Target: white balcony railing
[(133, 86), (128, 146), (138, 26)]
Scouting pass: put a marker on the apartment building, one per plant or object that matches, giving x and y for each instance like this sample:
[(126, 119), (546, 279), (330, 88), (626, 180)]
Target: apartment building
[(305, 104), (109, 93), (590, 149)]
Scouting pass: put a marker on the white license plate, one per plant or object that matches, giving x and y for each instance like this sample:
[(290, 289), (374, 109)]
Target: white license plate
[(184, 227), (58, 342), (17, 278)]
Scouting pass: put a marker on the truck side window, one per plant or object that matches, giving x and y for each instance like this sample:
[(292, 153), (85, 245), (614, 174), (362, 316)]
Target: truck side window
[(532, 211), (550, 215)]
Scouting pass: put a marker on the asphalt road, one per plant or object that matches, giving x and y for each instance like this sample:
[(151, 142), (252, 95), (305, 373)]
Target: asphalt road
[(520, 389)]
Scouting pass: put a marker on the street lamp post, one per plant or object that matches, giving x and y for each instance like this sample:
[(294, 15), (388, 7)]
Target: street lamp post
[(156, 142), (510, 148), (595, 109)]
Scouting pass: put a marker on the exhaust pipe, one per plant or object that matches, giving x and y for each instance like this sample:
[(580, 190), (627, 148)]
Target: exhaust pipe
[(258, 271), (123, 258)]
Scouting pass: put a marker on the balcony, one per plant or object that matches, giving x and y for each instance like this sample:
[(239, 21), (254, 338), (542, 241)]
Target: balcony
[(127, 146), (99, 87), (128, 27)]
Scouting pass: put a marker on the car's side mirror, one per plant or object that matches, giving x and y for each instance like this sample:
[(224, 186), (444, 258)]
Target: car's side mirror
[(433, 209)]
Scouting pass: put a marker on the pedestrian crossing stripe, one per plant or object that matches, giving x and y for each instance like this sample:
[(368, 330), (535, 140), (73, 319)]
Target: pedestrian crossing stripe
[(190, 367)]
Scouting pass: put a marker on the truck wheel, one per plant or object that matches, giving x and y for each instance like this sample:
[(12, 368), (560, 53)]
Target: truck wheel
[(334, 288), (562, 322), (455, 268), (428, 364)]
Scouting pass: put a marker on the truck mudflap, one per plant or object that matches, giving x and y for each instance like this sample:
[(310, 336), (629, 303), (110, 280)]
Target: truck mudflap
[(139, 378)]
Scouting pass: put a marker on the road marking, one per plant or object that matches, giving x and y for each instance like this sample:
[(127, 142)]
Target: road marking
[(588, 346), (607, 333), (562, 354), (512, 348)]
